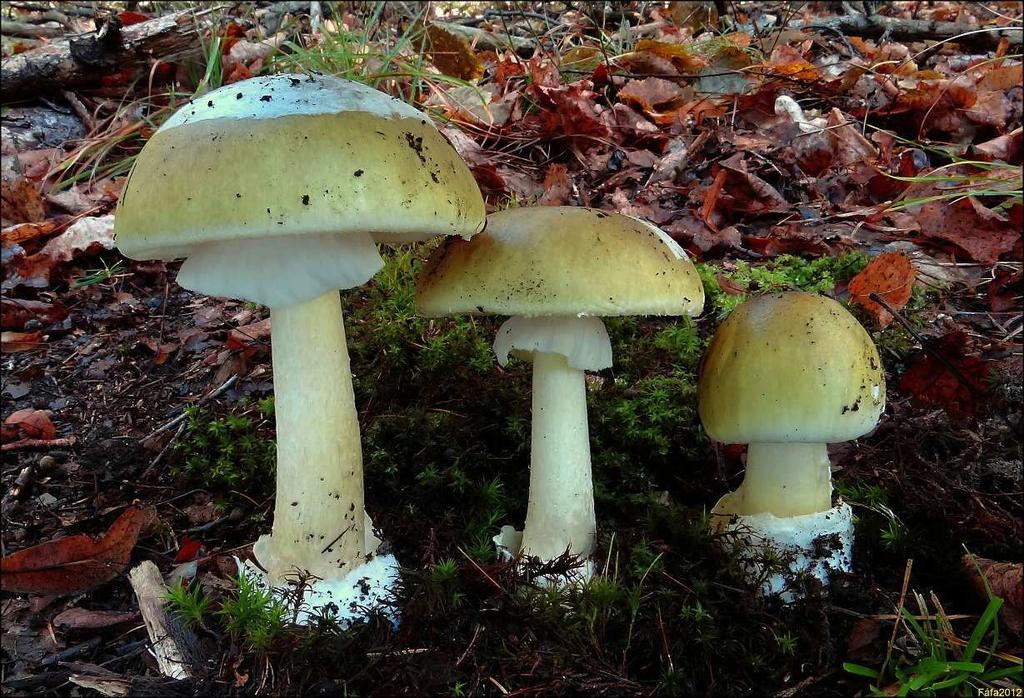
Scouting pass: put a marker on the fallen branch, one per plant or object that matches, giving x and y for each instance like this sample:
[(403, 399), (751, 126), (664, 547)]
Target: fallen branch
[(111, 684), (31, 31), (29, 444), (65, 8), (168, 638), (914, 30), (82, 60)]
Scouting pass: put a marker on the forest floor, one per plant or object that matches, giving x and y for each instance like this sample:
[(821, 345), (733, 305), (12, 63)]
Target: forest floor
[(894, 167)]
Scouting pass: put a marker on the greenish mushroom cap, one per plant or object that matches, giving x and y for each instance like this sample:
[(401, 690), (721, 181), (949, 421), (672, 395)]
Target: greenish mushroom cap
[(790, 368), (551, 260), (294, 155)]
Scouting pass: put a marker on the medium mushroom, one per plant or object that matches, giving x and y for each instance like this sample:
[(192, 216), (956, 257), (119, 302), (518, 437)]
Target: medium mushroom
[(275, 190), (557, 271), (788, 374)]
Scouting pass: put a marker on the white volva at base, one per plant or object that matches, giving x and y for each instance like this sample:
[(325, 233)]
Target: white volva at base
[(366, 588), (509, 543), (817, 544)]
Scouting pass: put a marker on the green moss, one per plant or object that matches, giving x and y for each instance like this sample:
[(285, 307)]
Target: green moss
[(646, 415), (252, 615), (784, 272), (235, 452)]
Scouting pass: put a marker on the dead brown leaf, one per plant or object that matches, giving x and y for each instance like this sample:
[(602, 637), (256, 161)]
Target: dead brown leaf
[(557, 186), (891, 275), (13, 342), (979, 231), (21, 201), (679, 55), (249, 336), (450, 54), (76, 563), (852, 146), (789, 62), (652, 95), (931, 384), (1005, 581), (162, 350), (695, 15), (82, 237), (991, 109), (863, 643), (29, 423), (1002, 79), (15, 312), (1006, 147), (729, 286), (76, 618), (25, 232), (1005, 291)]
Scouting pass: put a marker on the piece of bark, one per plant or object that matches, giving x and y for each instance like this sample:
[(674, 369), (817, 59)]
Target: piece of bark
[(65, 9), (170, 641), (914, 30), (116, 685), (82, 60), (32, 31), (104, 685)]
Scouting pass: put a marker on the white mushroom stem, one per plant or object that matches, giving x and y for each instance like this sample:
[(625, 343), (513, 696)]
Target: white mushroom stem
[(560, 515), (318, 514), (784, 479)]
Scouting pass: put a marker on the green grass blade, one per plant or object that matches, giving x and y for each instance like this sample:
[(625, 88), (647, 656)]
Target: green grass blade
[(860, 670), (982, 627)]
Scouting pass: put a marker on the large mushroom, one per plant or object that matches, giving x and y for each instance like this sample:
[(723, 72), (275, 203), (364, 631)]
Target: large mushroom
[(788, 374), (275, 190), (557, 271)]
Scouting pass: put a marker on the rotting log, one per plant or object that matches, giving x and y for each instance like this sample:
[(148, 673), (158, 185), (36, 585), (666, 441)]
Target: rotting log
[(82, 60), (875, 26)]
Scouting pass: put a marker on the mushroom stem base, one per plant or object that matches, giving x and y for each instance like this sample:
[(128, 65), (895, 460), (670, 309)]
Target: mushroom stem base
[(812, 545), (509, 542), (361, 591)]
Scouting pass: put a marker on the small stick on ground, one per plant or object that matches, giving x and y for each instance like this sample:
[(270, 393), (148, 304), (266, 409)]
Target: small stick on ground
[(481, 570), (31, 444), (899, 617), (184, 415), (152, 594), (21, 483), (166, 448)]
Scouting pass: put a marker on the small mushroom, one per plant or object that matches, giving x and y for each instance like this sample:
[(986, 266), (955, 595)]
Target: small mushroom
[(788, 374), (557, 271), (261, 197)]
